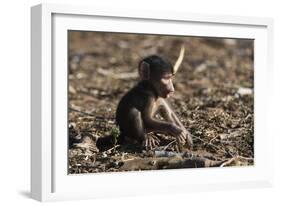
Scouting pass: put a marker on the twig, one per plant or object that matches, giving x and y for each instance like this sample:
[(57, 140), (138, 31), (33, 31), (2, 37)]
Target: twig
[(228, 162), (196, 137), (246, 158), (212, 140), (88, 114), (210, 144), (125, 75), (234, 158), (216, 147), (169, 145), (85, 113), (109, 150), (125, 160)]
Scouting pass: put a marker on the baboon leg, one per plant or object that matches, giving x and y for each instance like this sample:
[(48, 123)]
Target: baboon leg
[(133, 132)]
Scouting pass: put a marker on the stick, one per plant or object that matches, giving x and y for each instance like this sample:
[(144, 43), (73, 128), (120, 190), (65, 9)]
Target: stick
[(169, 145), (109, 150), (197, 138), (85, 113), (228, 162), (126, 75), (245, 158), (234, 158), (212, 140)]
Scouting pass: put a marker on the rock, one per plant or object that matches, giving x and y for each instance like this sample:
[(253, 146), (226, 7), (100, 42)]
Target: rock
[(202, 67), (72, 90), (245, 91)]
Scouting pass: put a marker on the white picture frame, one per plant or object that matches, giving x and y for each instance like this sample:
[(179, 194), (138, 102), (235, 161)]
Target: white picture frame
[(49, 178)]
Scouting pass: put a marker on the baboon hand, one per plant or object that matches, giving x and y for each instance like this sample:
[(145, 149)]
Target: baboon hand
[(185, 138), (177, 132), (188, 138), (174, 130), (150, 142)]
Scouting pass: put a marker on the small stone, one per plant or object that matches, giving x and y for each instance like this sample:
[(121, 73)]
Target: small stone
[(245, 91), (152, 162)]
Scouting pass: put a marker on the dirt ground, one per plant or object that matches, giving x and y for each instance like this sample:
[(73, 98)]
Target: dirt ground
[(214, 99)]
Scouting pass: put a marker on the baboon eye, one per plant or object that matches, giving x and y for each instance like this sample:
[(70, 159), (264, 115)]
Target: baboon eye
[(167, 77)]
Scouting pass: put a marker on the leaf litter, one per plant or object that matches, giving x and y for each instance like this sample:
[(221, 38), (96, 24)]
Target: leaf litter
[(214, 100)]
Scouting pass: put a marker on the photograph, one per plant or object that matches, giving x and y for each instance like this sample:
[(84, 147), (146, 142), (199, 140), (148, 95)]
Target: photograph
[(154, 101)]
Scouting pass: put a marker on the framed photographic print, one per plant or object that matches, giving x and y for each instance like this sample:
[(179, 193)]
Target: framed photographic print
[(137, 102)]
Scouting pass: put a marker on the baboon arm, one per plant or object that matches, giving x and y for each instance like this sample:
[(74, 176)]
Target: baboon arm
[(168, 114), (150, 123)]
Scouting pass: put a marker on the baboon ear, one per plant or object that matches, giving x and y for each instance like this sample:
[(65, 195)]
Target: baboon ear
[(144, 71)]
